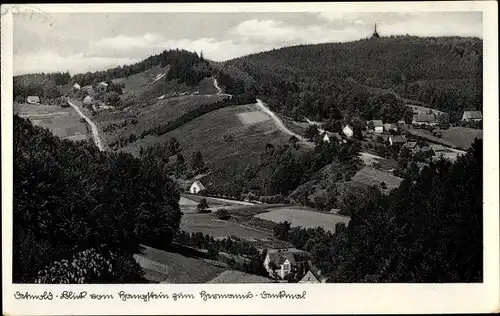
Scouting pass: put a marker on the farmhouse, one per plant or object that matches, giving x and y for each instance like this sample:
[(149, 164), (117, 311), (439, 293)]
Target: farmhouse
[(397, 140), (390, 127), (329, 136), (410, 145), (313, 275), (196, 187), (281, 262), (474, 116), (378, 126), (382, 180), (76, 86), (347, 130), (88, 100), (438, 149), (425, 119), (33, 99), (102, 86)]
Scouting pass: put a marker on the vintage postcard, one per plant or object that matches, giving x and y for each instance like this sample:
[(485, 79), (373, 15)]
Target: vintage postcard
[(271, 158)]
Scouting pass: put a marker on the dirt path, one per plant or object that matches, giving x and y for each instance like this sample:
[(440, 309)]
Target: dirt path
[(219, 90), (95, 130), (279, 124)]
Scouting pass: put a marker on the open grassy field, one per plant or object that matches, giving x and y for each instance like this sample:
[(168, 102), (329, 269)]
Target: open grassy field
[(223, 140), (462, 137), (299, 216), (168, 267), (208, 224), (63, 122)]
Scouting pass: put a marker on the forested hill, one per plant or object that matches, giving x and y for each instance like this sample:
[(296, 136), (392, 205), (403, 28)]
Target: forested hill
[(445, 72)]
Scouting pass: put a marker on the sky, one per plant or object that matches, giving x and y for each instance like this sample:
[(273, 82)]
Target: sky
[(81, 42)]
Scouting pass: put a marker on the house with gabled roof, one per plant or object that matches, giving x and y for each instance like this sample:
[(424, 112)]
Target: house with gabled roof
[(397, 140), (425, 119), (196, 187), (378, 126), (33, 99), (472, 116), (313, 274), (281, 262)]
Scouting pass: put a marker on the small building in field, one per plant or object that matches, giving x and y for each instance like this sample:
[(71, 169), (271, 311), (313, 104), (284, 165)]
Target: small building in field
[(313, 275), (325, 137), (425, 119), (33, 99), (76, 86), (88, 100), (196, 187), (397, 140), (348, 131), (472, 116)]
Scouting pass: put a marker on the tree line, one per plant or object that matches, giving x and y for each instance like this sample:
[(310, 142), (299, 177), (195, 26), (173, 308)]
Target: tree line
[(428, 230), (315, 80), (69, 198)]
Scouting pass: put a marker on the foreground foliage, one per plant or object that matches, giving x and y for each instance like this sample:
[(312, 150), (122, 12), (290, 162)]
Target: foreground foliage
[(428, 230), (70, 197)]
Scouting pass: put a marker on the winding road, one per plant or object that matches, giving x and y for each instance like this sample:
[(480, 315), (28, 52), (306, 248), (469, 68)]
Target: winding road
[(219, 90), (93, 126)]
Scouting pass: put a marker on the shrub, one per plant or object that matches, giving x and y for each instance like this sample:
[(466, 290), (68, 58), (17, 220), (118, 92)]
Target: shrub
[(222, 214)]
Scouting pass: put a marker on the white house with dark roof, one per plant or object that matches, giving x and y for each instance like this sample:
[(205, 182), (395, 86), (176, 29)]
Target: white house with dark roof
[(472, 116), (348, 131), (281, 262), (76, 86), (378, 126), (196, 187), (33, 99)]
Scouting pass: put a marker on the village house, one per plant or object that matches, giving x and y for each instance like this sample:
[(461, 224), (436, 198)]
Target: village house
[(196, 187), (378, 126), (281, 262), (33, 99), (397, 140), (347, 130), (472, 116), (76, 86), (438, 149), (88, 100), (410, 145), (425, 119), (102, 86), (313, 275), (390, 127), (329, 136)]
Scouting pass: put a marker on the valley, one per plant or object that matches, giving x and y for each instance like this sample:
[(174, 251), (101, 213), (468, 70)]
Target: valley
[(207, 166)]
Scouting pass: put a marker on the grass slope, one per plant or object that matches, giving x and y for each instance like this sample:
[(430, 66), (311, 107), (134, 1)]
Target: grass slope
[(221, 137)]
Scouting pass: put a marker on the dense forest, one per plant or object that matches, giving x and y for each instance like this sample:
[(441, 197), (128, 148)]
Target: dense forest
[(80, 208), (428, 230), (46, 86), (318, 80)]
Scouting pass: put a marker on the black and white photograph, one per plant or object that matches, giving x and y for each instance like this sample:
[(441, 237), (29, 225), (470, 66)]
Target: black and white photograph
[(248, 147)]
